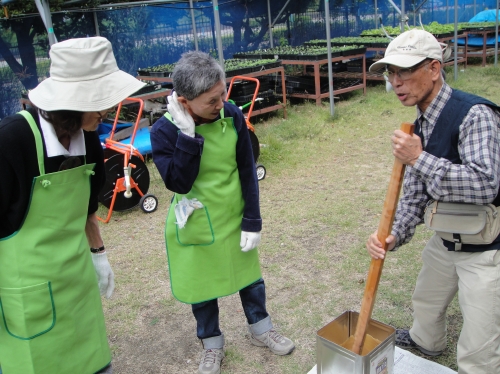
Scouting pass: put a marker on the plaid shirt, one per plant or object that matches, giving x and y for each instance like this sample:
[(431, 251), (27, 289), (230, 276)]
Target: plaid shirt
[(475, 181)]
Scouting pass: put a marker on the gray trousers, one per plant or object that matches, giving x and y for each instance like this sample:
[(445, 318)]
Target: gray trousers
[(476, 278)]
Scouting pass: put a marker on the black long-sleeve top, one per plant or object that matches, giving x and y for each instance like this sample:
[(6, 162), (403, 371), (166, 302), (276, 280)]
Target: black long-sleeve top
[(19, 165)]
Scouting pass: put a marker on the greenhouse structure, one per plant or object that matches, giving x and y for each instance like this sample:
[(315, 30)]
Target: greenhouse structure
[(149, 33)]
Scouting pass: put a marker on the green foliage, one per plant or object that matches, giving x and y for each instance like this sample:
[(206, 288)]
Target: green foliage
[(234, 64), (389, 29), (287, 51), (213, 53), (229, 65), (25, 7), (434, 28), (477, 25), (344, 40), (9, 36), (161, 67)]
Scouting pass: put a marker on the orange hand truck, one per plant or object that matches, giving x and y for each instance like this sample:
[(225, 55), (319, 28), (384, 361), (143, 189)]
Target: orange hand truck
[(127, 176), (261, 170)]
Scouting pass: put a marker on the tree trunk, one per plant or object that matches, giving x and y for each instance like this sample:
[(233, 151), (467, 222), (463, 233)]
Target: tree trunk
[(237, 25), (26, 70)]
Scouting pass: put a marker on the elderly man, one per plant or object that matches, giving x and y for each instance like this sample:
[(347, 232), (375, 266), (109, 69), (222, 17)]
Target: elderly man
[(454, 156)]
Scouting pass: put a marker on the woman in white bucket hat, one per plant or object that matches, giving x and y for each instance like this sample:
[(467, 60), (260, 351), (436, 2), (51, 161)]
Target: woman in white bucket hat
[(50, 246)]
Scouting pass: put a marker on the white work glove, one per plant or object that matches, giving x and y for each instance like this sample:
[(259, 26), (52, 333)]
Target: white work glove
[(182, 118), (249, 240), (184, 208), (105, 275)]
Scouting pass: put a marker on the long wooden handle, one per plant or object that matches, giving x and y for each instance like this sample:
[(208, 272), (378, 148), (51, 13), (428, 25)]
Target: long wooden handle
[(384, 230)]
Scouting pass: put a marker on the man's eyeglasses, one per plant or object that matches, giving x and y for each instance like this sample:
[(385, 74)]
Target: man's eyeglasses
[(403, 74)]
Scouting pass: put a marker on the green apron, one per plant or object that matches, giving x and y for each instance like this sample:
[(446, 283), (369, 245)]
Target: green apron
[(205, 258), (51, 313)]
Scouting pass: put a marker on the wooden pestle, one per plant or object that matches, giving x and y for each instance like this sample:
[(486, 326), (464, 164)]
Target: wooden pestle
[(384, 230), (369, 344)]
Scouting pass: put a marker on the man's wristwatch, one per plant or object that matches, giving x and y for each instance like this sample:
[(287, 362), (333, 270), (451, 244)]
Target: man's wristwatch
[(96, 250)]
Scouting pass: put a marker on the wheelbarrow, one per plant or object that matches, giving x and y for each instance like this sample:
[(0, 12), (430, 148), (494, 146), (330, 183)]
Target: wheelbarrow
[(260, 169), (127, 176)]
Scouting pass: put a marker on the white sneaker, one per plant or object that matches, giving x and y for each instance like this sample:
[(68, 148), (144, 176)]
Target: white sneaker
[(210, 361), (277, 343)]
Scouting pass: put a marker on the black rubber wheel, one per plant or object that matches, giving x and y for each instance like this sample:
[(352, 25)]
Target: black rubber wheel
[(261, 171), (109, 153), (148, 203), (113, 168)]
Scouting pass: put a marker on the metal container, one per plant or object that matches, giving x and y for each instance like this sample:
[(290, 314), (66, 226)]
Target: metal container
[(332, 358)]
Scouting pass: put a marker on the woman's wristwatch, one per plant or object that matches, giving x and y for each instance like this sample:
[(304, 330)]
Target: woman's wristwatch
[(96, 250)]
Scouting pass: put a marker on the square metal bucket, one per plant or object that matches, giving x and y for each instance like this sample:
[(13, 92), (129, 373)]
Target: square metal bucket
[(332, 358)]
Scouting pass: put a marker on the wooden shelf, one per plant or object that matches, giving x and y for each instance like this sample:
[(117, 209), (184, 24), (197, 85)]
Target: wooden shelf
[(461, 53), (482, 51), (357, 75), (317, 74), (152, 95), (256, 74)]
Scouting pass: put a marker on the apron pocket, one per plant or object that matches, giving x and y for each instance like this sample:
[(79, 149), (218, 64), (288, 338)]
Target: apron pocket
[(198, 229), (28, 312)]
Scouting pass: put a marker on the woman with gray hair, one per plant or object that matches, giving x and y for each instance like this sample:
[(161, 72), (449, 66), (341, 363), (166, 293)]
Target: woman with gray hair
[(53, 264), (203, 152)]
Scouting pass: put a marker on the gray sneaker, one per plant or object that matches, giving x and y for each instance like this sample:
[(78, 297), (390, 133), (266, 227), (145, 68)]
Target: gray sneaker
[(277, 343), (210, 361)]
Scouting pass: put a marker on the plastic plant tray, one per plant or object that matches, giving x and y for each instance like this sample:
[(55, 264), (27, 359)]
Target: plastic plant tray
[(157, 74), (147, 89), (353, 51), (244, 88), (445, 35), (241, 71)]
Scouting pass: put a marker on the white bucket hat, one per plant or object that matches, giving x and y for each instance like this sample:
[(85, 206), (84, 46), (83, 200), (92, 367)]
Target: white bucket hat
[(409, 49), (84, 77)]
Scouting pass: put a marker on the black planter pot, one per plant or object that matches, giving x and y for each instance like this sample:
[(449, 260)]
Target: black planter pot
[(339, 84), (245, 88), (316, 57), (353, 51), (337, 67), (355, 66), (306, 83), (250, 56), (379, 45), (444, 35), (244, 99), (147, 89), (143, 73), (273, 65), (159, 74)]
